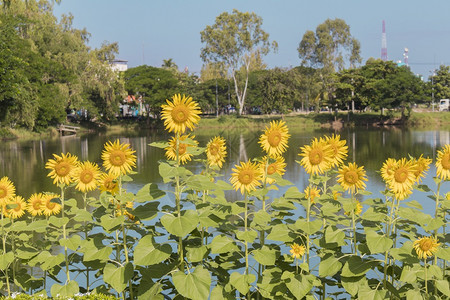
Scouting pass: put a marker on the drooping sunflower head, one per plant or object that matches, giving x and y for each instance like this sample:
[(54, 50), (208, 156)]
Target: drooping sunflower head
[(35, 203), (311, 193), (387, 170), (274, 140), (340, 150), (216, 151), (403, 178), (86, 176), (352, 177), (18, 207), (50, 205), (118, 158), (62, 168), (317, 157), (443, 163), (180, 113), (184, 143), (426, 247), (336, 195), (7, 190), (108, 183), (273, 166), (246, 177), (125, 210), (422, 166), (297, 251), (357, 209)]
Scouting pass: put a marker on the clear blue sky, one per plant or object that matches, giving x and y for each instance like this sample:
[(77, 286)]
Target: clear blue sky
[(149, 31)]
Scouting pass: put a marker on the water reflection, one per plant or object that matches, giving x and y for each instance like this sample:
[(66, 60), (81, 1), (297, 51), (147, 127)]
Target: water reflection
[(24, 161)]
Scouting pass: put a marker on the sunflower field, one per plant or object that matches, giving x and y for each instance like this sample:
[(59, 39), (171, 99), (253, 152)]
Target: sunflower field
[(331, 240)]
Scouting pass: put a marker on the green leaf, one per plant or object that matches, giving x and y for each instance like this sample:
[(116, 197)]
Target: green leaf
[(414, 215), (310, 227), (161, 145), (443, 253), (180, 225), (149, 192), (378, 243), (403, 253), (334, 235), (408, 275), (209, 218), (40, 226), (265, 256), (260, 218), (195, 285), (147, 211), (58, 222), (293, 193), (200, 183), (247, 236), (111, 223), (442, 286), (196, 254), (148, 253), (435, 271), (48, 261), (282, 233), (68, 290), (298, 285), (374, 215), (118, 277), (167, 171), (147, 290), (413, 295), (82, 216), (26, 252), (242, 282), (222, 244), (5, 260), (352, 284), (414, 204), (355, 266), (434, 224), (72, 243), (329, 266), (372, 294), (95, 250)]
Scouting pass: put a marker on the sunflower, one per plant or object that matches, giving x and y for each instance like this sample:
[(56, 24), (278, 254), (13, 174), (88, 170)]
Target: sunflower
[(443, 163), (216, 151), (35, 203), (274, 166), (297, 251), (422, 166), (339, 149), (108, 183), (336, 195), (312, 193), (18, 207), (317, 157), (50, 207), (357, 210), (426, 247), (118, 158), (274, 140), (387, 170), (86, 176), (129, 205), (62, 168), (7, 190), (246, 177), (403, 178), (180, 114), (183, 154), (352, 177)]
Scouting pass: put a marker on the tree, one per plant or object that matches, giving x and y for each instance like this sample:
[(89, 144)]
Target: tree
[(441, 82), (233, 39), (169, 64)]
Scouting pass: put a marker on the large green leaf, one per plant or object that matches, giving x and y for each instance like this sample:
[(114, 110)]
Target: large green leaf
[(443, 253), (148, 253), (378, 243), (118, 277), (39, 226), (242, 282), (167, 171), (442, 286), (195, 285), (72, 243), (355, 266), (48, 261), (414, 215), (329, 266), (353, 284), (68, 290), (149, 192), (111, 223), (147, 211), (310, 227), (200, 183), (265, 256), (5, 260), (196, 254), (180, 225), (334, 235), (293, 193), (222, 244), (298, 285), (58, 222), (282, 233), (247, 236)]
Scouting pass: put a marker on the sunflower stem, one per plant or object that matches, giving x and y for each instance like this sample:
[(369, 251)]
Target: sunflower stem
[(4, 252), (66, 257), (86, 235), (426, 275), (436, 214), (308, 212), (354, 224), (178, 199), (246, 245)]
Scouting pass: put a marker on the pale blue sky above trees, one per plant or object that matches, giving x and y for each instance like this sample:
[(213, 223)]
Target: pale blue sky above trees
[(150, 31)]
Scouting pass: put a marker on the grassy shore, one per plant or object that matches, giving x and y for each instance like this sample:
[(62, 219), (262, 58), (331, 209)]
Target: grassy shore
[(430, 120)]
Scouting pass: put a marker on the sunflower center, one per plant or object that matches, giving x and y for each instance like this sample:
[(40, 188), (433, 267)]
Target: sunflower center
[(3, 192), (446, 161), (401, 175), (117, 158), (213, 149), (274, 138), (62, 169), (351, 177), (426, 245), (18, 207), (110, 185), (246, 177), (315, 156), (182, 149), (36, 205), (271, 169), (180, 114), (50, 205), (86, 176)]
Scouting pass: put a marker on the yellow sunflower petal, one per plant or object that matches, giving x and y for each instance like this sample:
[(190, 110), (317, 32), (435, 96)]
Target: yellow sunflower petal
[(216, 151), (352, 177), (180, 114), (118, 158), (274, 140), (443, 163), (246, 177)]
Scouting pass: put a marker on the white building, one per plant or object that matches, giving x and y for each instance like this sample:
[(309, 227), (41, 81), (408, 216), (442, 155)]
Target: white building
[(119, 65)]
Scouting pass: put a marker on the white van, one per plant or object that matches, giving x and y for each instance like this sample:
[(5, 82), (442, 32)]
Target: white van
[(444, 105)]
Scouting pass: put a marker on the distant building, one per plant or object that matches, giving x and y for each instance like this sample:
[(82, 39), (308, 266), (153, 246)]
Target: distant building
[(119, 65)]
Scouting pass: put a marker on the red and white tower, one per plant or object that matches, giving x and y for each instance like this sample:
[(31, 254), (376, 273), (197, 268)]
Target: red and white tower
[(383, 43), (405, 56)]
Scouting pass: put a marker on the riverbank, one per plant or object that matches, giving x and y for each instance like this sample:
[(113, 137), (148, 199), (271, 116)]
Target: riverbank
[(298, 120)]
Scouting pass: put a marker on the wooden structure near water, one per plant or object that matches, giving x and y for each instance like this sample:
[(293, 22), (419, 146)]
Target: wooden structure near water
[(66, 129)]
